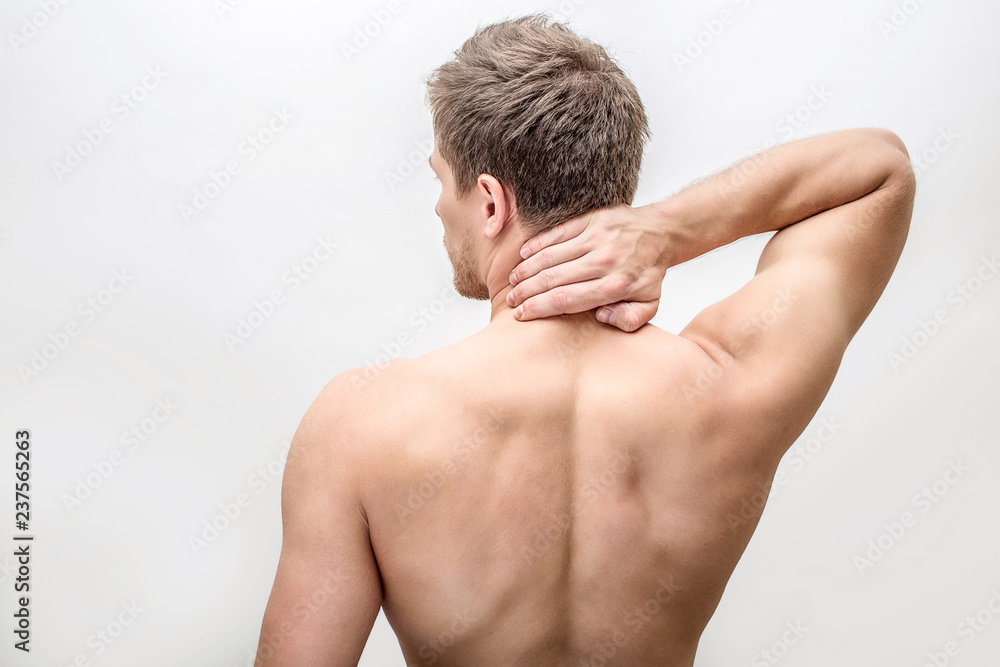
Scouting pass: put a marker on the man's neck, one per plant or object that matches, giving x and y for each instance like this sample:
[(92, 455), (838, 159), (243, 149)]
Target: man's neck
[(498, 278), (506, 257)]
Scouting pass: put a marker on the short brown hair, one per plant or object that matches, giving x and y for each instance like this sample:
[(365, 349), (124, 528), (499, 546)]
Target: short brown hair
[(546, 112)]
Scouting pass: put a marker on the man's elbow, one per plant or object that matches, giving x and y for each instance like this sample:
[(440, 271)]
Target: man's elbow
[(900, 179), (887, 139), (905, 182)]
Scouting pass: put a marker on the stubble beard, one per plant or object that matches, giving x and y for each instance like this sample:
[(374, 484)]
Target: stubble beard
[(463, 264)]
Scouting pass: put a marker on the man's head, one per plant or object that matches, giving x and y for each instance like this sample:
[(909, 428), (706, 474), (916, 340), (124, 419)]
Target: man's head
[(535, 120)]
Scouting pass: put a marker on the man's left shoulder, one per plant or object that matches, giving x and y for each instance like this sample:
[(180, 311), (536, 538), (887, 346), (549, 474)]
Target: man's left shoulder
[(364, 382), (342, 408), (371, 400), (408, 378)]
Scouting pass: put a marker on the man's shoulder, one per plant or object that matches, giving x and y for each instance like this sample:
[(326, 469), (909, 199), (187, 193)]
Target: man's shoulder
[(351, 418), (381, 381), (378, 397)]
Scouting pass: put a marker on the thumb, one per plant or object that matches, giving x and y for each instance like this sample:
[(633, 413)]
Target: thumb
[(628, 315)]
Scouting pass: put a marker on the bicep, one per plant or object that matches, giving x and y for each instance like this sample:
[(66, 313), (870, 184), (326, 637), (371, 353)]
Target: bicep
[(781, 337), (327, 590)]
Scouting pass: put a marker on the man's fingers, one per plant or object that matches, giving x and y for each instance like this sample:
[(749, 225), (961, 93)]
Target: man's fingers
[(558, 275), (546, 258), (573, 298), (561, 232), (628, 315), (551, 267)]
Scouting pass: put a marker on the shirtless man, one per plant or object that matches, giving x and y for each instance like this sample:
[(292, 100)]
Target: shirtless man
[(554, 490)]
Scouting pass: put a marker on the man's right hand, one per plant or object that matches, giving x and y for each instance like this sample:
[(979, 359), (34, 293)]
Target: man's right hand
[(617, 257), (614, 257)]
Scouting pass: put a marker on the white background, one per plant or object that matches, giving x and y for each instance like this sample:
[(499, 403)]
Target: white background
[(357, 117)]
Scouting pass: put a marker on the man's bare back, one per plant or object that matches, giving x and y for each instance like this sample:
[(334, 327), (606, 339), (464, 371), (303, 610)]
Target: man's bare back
[(554, 490), (551, 493)]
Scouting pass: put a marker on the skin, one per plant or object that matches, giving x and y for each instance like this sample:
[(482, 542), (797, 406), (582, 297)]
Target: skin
[(554, 490)]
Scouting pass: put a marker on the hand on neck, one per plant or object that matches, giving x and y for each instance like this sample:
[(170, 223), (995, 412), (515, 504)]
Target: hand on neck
[(505, 257)]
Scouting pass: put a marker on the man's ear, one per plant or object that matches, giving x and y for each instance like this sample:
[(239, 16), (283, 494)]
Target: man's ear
[(498, 203)]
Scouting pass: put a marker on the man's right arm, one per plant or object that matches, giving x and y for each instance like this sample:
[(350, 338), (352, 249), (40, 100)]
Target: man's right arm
[(779, 339), (619, 255), (841, 205)]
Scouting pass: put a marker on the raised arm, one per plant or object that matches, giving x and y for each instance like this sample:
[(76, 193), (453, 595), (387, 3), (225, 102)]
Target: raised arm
[(327, 591), (842, 204), (618, 257), (779, 340)]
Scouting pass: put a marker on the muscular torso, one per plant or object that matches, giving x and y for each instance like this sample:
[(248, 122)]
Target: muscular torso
[(555, 493)]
